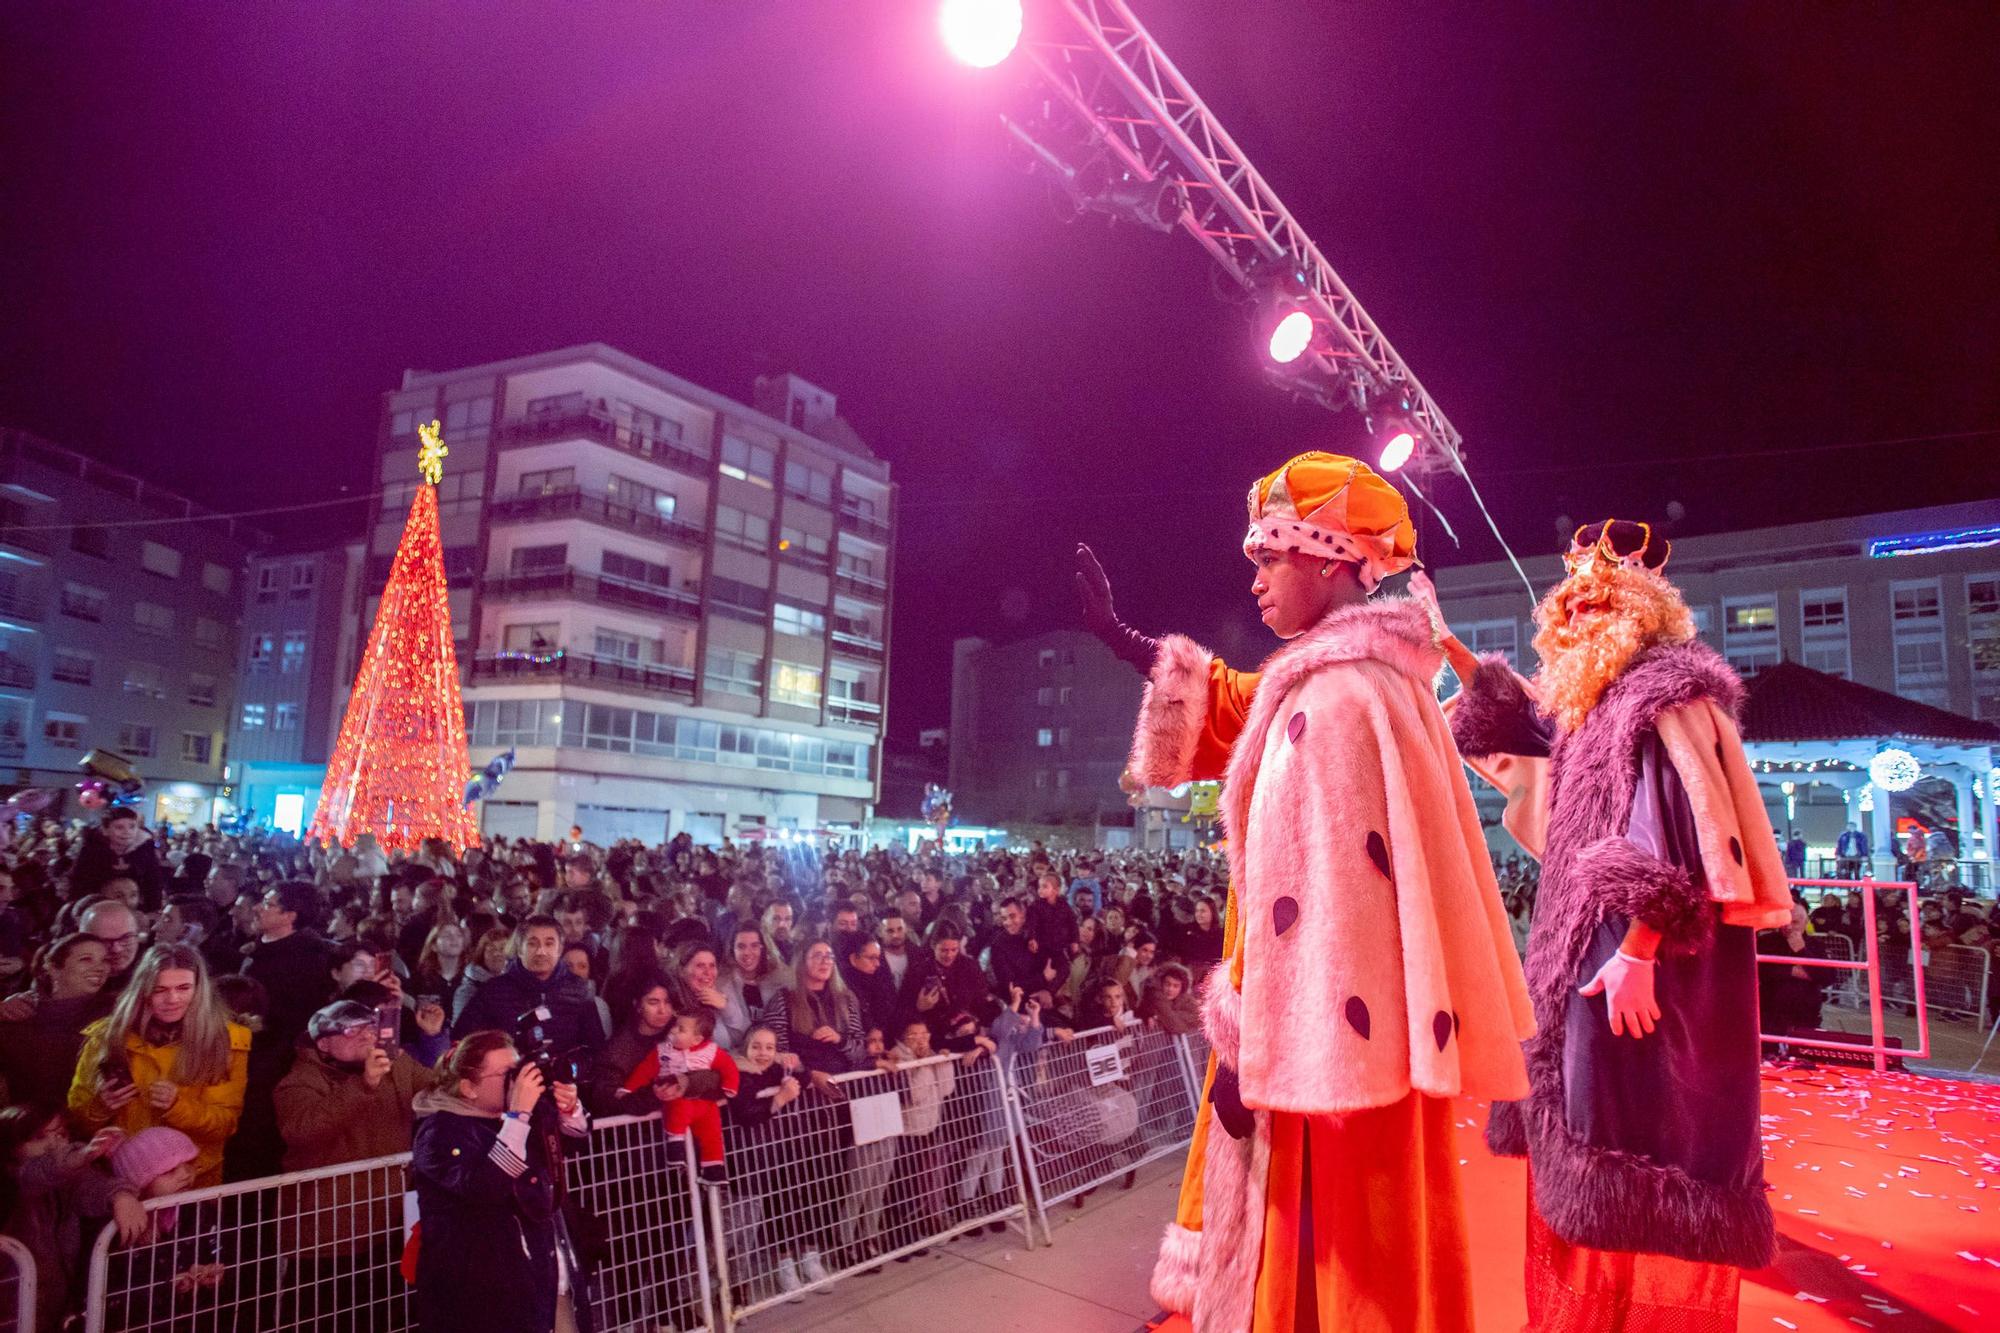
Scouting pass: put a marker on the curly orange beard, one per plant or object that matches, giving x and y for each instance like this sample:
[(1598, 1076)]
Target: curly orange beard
[(1591, 626)]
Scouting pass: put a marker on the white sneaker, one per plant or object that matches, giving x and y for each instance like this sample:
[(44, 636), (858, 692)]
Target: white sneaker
[(788, 1279), (812, 1268)]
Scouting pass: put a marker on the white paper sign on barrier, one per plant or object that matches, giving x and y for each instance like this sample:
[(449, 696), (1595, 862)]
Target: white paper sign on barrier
[(876, 1118), (1106, 1065)]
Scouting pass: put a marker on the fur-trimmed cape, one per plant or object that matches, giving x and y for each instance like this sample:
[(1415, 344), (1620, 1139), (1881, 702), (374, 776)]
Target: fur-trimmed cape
[(1373, 957), (1593, 879)]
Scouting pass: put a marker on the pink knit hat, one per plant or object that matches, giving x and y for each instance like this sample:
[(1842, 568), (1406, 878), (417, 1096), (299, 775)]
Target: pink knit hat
[(150, 1154)]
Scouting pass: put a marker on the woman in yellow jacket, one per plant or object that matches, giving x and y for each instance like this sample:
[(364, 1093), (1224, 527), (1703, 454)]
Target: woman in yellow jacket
[(166, 1055)]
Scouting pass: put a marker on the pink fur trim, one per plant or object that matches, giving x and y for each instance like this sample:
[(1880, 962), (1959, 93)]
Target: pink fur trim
[(1178, 1269), (1222, 1014), (1234, 1179), (1172, 714)]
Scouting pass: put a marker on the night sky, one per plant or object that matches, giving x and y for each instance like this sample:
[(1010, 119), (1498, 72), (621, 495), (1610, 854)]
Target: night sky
[(1610, 239)]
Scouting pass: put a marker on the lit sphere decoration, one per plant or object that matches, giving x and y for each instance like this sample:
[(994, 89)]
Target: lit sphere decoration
[(1894, 770)]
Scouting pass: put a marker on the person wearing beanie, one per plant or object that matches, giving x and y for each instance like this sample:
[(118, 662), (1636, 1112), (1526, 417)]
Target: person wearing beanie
[(345, 1099), (1368, 974), (155, 1162), (1626, 773)]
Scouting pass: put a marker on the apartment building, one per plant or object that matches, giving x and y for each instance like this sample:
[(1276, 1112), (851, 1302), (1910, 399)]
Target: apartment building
[(118, 627), (673, 606)]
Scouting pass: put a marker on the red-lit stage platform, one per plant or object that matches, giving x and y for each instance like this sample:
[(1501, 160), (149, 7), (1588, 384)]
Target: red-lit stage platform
[(1887, 1191)]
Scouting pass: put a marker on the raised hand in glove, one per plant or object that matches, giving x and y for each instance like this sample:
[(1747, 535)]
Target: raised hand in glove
[(1099, 617), (1626, 983)]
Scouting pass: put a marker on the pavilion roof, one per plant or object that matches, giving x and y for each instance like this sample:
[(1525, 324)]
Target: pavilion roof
[(1791, 702)]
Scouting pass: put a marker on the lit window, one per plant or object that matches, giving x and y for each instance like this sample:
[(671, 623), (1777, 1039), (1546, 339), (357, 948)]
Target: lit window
[(1045, 737), (285, 717), (262, 649), (799, 620), (794, 684), (748, 462), (253, 717), (293, 659)]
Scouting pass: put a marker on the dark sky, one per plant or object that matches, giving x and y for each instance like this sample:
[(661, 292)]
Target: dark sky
[(1609, 238)]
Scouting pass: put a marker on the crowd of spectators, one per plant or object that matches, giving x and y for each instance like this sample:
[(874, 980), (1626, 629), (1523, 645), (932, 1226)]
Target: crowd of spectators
[(261, 1006)]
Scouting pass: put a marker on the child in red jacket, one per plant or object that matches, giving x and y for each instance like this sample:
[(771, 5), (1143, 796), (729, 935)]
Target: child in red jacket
[(688, 1047)]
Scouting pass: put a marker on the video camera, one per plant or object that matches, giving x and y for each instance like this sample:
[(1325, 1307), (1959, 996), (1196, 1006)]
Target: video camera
[(538, 1048)]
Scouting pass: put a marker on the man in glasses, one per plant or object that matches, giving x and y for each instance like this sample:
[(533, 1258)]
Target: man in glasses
[(1659, 866)]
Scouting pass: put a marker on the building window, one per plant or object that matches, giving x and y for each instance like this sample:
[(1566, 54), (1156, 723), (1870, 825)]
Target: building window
[(637, 496), (304, 575), (640, 428), (1041, 779), (144, 678), (1750, 633), (745, 601), (262, 649), (216, 578), (201, 691), (82, 602), (752, 532), (468, 414), (86, 540), (556, 405), (1045, 737), (195, 747), (64, 731), (516, 722), (285, 717), (732, 672), (1062, 779), (799, 620), (540, 638), (1823, 630), (794, 684), (1982, 636), (135, 740), (267, 583), (538, 559), (1917, 631), (253, 717), (806, 547), (1045, 697), (1046, 658), (1062, 737), (207, 633), (858, 565), (618, 567), (292, 659), (748, 462), (548, 481), (152, 618), (162, 560), (73, 667), (808, 482)]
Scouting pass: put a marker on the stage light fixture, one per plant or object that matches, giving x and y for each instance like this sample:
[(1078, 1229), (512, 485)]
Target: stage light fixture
[(980, 33), (1103, 187), (1290, 336), (1397, 451)]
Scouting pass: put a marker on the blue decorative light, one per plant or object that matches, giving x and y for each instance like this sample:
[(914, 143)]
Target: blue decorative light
[(1927, 543)]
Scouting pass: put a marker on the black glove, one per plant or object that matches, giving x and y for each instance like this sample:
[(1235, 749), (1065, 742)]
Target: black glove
[(1094, 590), (1230, 1112)]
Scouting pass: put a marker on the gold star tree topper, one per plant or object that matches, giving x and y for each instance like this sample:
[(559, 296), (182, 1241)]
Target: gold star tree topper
[(430, 457)]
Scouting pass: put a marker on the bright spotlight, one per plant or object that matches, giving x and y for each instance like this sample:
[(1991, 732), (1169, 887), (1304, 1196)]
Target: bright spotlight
[(1290, 337), (980, 33), (1397, 451)]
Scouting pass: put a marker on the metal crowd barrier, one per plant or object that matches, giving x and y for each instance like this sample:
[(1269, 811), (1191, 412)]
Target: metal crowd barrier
[(1877, 970), (890, 1164), (17, 1287), (1958, 977), (1099, 1106)]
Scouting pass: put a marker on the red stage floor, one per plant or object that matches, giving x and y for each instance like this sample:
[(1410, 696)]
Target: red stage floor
[(1887, 1190)]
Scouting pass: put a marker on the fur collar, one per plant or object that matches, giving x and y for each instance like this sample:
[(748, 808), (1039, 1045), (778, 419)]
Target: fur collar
[(1395, 631)]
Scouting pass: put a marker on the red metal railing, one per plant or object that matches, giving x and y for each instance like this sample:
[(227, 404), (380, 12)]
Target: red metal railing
[(1872, 965)]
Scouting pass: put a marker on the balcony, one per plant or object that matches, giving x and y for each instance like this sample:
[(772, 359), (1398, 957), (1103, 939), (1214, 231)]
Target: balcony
[(22, 603), (858, 645), (576, 585), (16, 674), (603, 430), (575, 504), (854, 712), (862, 585), (578, 668), (864, 525)]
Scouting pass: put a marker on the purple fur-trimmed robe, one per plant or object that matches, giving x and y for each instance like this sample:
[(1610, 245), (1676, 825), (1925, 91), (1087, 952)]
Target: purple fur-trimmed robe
[(1647, 1145)]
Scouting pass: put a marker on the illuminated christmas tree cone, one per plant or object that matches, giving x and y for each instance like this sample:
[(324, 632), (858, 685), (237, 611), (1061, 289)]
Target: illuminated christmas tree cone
[(398, 770)]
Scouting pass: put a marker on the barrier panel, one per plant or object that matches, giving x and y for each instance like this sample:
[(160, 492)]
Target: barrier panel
[(17, 1287), (1881, 971), (884, 1165), (637, 1223), (1097, 1107), (311, 1250), (1957, 976)]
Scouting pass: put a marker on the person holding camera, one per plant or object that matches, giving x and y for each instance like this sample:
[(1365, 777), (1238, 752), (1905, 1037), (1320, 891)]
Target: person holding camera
[(493, 1254)]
